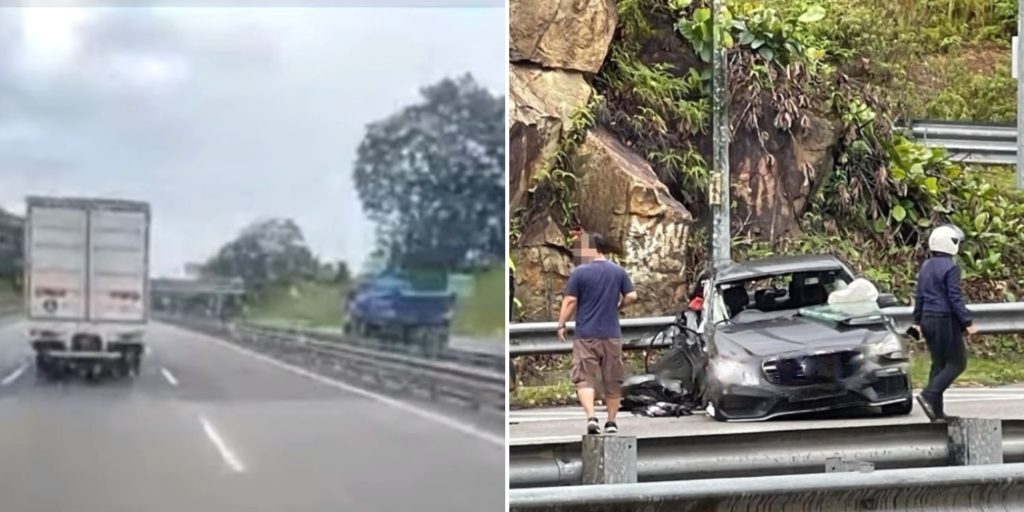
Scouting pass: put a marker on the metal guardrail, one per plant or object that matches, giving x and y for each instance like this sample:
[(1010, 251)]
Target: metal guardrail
[(973, 143), (437, 380), (541, 337), (463, 357), (998, 487), (918, 445)]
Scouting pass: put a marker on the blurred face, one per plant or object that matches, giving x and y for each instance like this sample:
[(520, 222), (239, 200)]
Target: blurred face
[(584, 250)]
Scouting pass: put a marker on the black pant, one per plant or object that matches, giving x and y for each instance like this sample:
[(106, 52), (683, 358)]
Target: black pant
[(949, 356)]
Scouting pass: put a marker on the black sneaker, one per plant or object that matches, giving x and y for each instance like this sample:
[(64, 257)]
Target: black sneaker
[(593, 427), (611, 428), (927, 407)]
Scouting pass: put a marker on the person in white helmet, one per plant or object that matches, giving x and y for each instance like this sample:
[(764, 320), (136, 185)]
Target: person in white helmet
[(941, 316)]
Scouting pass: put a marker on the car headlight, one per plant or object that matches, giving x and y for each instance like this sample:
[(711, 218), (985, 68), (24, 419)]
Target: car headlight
[(734, 372), (889, 346)]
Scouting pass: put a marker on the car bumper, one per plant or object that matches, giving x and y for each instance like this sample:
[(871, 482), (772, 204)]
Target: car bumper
[(875, 386)]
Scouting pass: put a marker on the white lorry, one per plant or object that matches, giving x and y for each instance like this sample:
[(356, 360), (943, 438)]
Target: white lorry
[(87, 285)]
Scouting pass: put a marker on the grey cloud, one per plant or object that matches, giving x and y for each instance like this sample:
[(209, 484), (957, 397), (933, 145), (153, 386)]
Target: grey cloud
[(263, 120)]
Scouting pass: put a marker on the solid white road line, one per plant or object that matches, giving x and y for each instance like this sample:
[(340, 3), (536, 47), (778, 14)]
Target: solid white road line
[(495, 439), (15, 374), (983, 399), (169, 376), (230, 459)]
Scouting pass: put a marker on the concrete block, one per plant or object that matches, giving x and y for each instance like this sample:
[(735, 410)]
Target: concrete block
[(609, 459), (975, 441)]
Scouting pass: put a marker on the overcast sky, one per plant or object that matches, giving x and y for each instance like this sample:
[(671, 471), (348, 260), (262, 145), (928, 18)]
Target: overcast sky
[(221, 116)]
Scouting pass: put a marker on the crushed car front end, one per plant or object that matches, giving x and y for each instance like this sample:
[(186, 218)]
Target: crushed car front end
[(875, 374)]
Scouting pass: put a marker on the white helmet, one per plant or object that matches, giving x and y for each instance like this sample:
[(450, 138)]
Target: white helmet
[(946, 239)]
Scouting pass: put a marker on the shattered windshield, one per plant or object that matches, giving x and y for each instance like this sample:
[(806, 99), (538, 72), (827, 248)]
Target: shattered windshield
[(775, 296)]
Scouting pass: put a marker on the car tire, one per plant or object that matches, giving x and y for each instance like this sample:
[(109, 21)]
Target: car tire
[(901, 409)]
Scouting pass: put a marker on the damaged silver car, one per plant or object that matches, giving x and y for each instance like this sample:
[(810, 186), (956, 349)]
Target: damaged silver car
[(767, 343)]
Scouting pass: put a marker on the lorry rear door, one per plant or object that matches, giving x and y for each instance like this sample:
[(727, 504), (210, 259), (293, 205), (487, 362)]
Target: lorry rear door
[(118, 243), (56, 261)]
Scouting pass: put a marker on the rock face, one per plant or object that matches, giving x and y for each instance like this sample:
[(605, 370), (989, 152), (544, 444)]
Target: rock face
[(620, 196), (543, 264), (564, 34), (541, 103), (771, 183)]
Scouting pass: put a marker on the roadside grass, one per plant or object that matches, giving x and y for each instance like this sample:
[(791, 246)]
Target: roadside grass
[(302, 304), (8, 295), (318, 305), (484, 314), (10, 298), (981, 371), (555, 389)]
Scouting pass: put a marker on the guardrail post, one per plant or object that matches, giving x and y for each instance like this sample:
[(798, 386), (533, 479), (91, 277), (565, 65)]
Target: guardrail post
[(975, 441), (609, 460)]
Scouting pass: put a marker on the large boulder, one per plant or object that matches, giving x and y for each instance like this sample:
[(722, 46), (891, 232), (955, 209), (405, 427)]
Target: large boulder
[(543, 264), (541, 103), (773, 179), (565, 34), (620, 196)]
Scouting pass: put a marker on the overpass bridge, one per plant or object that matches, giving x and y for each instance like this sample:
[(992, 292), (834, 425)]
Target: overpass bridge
[(210, 297)]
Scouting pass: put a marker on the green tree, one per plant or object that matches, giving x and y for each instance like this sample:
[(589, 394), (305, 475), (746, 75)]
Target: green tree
[(432, 177), (267, 251)]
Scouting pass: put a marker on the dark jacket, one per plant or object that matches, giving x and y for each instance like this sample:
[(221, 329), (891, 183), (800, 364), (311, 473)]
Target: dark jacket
[(938, 290)]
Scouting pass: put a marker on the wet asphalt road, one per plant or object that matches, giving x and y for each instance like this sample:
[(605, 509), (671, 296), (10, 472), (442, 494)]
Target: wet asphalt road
[(207, 426)]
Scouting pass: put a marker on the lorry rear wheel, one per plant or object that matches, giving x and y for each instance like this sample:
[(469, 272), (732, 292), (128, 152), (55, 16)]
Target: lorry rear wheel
[(44, 367)]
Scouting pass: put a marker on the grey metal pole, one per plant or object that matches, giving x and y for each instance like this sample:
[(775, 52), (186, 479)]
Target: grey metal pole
[(1020, 95), (718, 188)]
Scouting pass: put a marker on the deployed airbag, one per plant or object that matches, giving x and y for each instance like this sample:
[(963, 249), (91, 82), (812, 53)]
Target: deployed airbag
[(860, 290)]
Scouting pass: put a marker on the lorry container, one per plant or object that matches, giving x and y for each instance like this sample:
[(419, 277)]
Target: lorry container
[(87, 284)]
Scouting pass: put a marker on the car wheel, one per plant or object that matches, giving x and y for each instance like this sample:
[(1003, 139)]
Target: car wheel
[(901, 409)]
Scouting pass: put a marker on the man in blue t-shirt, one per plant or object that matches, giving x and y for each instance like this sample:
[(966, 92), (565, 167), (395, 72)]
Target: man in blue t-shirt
[(597, 290)]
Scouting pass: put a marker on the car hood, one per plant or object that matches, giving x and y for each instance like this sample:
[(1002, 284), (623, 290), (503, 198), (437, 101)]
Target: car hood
[(791, 334)]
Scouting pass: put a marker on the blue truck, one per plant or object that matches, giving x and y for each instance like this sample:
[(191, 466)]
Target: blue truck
[(403, 311)]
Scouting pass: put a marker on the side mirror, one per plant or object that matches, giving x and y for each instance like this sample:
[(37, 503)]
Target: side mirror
[(887, 300)]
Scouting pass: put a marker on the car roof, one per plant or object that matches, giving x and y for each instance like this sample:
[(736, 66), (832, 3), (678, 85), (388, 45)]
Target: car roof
[(741, 271)]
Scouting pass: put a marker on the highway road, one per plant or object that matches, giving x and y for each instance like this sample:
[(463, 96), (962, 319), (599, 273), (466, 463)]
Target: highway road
[(566, 424), (210, 426)]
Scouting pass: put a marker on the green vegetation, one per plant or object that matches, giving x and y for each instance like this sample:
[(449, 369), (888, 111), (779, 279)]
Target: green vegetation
[(317, 304), (559, 393), (484, 314), (305, 303), (981, 371), (9, 297), (830, 56), (934, 58)]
